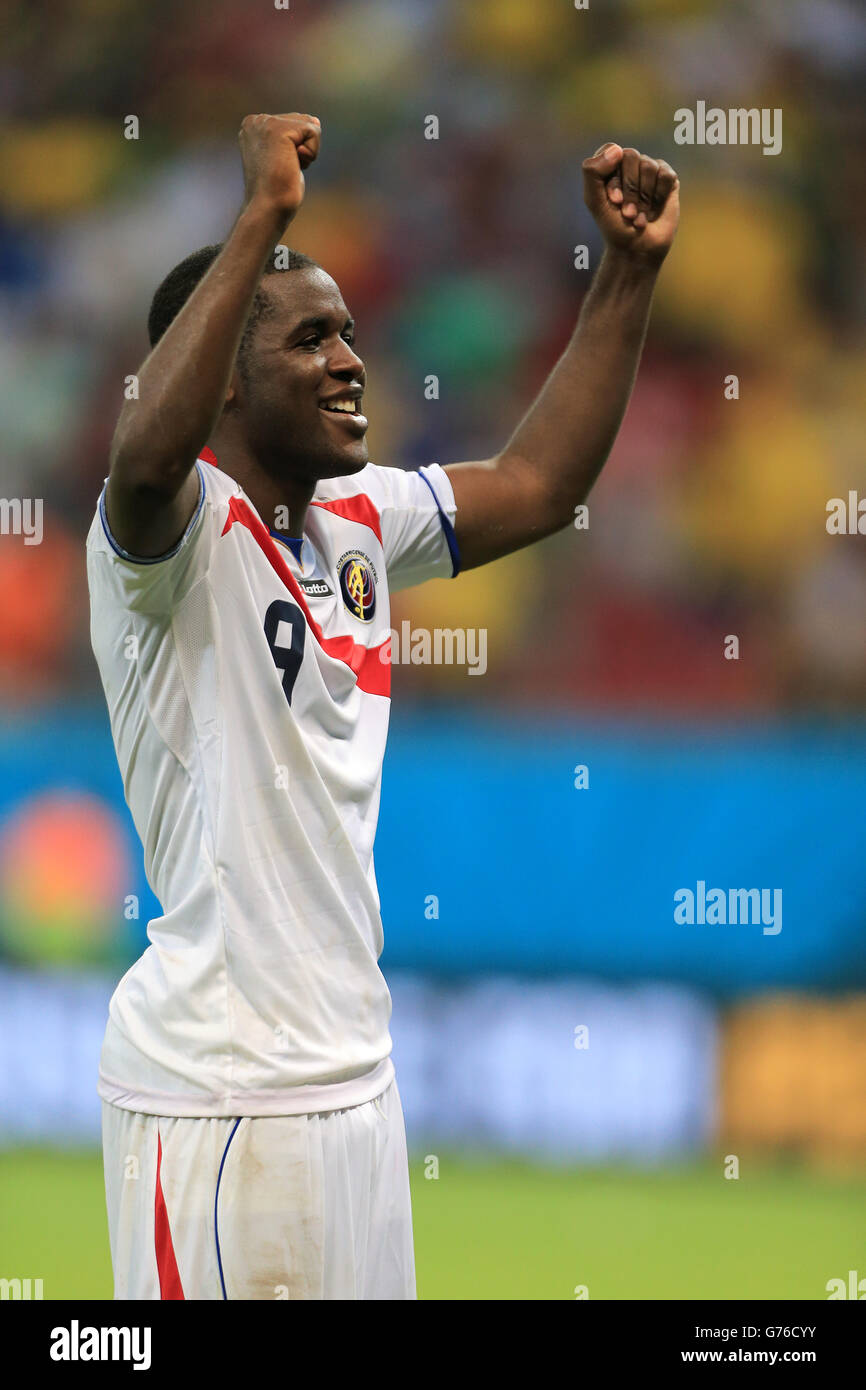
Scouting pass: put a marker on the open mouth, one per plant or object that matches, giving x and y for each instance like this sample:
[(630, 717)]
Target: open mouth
[(346, 409)]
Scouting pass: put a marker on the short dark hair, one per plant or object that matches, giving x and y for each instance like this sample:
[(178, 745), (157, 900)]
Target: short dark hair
[(179, 284)]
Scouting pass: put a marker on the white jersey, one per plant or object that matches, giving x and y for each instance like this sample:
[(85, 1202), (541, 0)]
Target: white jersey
[(248, 692)]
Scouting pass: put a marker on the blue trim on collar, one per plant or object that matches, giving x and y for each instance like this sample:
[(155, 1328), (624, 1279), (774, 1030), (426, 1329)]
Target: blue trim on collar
[(294, 543)]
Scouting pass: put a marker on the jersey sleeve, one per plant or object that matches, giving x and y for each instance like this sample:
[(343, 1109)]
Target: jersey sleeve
[(416, 511), (154, 585)]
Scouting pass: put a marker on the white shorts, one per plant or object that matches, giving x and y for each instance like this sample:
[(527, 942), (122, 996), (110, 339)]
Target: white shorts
[(269, 1207)]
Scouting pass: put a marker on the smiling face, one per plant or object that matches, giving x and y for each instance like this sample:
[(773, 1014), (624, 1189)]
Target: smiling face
[(300, 383)]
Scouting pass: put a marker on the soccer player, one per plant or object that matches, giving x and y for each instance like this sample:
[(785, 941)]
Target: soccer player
[(239, 565)]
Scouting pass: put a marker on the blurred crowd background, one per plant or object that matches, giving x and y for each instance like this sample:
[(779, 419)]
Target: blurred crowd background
[(456, 258), (605, 645)]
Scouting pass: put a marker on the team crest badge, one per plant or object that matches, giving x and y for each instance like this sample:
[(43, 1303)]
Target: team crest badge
[(358, 585)]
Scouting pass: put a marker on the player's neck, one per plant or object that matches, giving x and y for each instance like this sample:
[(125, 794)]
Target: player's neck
[(280, 502), (282, 506)]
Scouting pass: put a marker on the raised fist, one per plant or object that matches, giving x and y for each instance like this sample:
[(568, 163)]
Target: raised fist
[(634, 199), (275, 152)]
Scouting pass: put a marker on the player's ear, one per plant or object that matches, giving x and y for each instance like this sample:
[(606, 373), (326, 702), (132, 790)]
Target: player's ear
[(233, 390)]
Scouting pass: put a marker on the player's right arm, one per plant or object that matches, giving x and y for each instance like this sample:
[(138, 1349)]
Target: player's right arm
[(152, 487)]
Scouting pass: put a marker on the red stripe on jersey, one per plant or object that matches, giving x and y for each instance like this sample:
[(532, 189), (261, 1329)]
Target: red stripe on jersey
[(358, 508), (373, 674), (170, 1286)]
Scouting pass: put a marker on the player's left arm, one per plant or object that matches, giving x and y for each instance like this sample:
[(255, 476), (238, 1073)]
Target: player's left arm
[(547, 468)]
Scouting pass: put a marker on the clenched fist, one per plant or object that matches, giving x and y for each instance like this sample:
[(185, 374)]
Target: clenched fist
[(275, 152), (634, 199)]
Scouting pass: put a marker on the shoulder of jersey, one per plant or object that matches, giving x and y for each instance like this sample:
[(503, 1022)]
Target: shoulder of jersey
[(366, 483), (216, 482)]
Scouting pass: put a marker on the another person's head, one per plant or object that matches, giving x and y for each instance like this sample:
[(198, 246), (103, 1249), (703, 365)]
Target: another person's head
[(295, 393)]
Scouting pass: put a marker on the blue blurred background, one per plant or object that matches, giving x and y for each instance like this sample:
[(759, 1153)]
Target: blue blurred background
[(546, 1002)]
